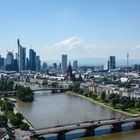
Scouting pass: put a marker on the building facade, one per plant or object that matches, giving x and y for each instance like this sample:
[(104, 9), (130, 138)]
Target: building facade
[(64, 62), (32, 60), (112, 63)]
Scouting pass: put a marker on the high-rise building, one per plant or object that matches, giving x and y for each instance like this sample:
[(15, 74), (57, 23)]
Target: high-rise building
[(45, 66), (9, 64), (75, 65), (27, 64), (38, 63), (112, 62), (32, 60), (136, 68), (54, 65), (59, 65), (23, 58), (9, 58), (64, 62), (15, 65), (20, 56), (1, 62)]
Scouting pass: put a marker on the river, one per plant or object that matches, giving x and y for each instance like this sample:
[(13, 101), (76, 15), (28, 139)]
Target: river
[(55, 109)]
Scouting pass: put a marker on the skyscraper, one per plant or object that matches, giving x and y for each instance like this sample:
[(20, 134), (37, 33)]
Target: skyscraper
[(23, 58), (1, 62), (64, 62), (45, 66), (27, 65), (112, 62), (32, 60), (75, 65), (9, 66), (20, 56), (38, 63), (9, 58)]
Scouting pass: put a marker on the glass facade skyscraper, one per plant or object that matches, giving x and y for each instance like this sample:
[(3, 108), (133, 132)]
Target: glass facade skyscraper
[(64, 62)]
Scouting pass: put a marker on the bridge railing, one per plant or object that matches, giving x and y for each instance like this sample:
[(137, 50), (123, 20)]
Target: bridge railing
[(92, 121)]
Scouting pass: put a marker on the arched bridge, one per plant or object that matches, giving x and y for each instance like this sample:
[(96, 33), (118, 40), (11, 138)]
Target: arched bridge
[(90, 127)]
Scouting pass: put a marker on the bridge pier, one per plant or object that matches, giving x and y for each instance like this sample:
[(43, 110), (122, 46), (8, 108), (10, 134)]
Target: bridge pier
[(117, 127), (61, 136), (90, 131)]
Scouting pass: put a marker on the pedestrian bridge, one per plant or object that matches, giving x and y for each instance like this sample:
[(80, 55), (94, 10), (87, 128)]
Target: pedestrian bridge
[(89, 128)]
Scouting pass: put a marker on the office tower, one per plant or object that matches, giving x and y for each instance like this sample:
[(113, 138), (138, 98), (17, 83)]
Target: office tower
[(9, 63), (15, 65), (59, 65), (1, 62), (16, 56), (108, 63), (54, 65), (23, 58), (5, 62), (75, 65), (44, 65), (38, 63), (32, 60), (112, 62), (20, 56), (136, 68), (9, 58), (64, 62), (27, 64)]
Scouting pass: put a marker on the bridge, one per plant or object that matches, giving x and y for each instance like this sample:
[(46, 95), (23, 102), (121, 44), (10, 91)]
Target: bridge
[(54, 90), (116, 125)]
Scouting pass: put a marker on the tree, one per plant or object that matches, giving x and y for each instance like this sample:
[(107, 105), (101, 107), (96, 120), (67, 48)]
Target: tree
[(127, 85), (94, 96), (6, 106), (70, 87), (3, 121), (114, 101), (89, 93), (81, 91), (13, 119), (111, 96), (103, 96), (137, 103), (25, 94), (55, 85), (24, 126), (76, 87), (20, 116)]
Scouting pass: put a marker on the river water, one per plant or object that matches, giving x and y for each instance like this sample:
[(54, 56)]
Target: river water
[(55, 109)]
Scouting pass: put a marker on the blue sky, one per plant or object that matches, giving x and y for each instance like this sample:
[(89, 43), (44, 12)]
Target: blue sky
[(80, 28)]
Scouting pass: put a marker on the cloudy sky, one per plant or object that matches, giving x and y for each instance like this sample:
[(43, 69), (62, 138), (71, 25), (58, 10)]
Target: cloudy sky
[(79, 28)]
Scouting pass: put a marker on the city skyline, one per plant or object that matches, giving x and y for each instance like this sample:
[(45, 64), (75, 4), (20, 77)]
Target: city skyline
[(99, 28)]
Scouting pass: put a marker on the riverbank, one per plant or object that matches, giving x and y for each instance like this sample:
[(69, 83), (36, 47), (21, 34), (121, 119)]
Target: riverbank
[(25, 119), (102, 104)]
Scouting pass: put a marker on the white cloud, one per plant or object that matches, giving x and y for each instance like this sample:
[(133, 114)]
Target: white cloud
[(137, 47), (75, 47)]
